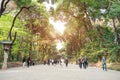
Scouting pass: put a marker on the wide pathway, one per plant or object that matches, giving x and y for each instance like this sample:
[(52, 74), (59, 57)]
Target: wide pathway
[(45, 72)]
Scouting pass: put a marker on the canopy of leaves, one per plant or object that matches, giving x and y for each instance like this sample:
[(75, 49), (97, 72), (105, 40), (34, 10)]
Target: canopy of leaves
[(21, 3), (37, 38), (114, 10)]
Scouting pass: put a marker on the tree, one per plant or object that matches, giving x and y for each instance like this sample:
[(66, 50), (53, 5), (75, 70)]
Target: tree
[(3, 5), (2, 9)]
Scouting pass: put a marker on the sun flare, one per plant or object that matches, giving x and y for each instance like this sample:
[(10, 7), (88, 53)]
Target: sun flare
[(58, 25), (59, 45)]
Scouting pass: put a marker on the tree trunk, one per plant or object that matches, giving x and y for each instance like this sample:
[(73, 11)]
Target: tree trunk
[(3, 6), (118, 19), (88, 21), (30, 49), (116, 33)]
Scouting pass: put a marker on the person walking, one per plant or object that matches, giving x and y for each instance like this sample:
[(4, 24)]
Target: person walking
[(85, 62), (28, 61), (62, 62), (104, 65), (24, 62), (80, 61), (66, 62)]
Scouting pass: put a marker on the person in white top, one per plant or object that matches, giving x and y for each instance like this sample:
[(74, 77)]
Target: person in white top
[(62, 61)]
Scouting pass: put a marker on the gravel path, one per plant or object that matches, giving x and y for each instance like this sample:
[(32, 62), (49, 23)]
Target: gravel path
[(45, 72)]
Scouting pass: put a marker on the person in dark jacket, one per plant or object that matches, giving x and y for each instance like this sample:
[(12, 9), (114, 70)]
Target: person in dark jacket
[(66, 62), (28, 61), (85, 62), (80, 61)]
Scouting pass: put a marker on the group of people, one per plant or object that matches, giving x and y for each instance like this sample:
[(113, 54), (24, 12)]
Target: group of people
[(57, 61), (83, 62), (51, 61), (28, 62), (64, 61)]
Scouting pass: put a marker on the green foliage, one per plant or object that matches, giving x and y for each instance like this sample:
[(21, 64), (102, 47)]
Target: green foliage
[(79, 42), (94, 49), (114, 10), (1, 53), (114, 53), (40, 1), (21, 3), (93, 35), (5, 24)]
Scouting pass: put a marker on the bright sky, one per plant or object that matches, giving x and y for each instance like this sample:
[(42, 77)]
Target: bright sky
[(0, 2), (49, 5)]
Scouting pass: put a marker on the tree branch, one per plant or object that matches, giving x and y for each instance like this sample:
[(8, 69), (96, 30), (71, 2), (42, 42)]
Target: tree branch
[(108, 6), (6, 3), (10, 35), (3, 6), (14, 38)]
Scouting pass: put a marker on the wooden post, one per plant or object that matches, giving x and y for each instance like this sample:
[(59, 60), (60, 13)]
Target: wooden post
[(7, 45), (4, 66)]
